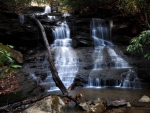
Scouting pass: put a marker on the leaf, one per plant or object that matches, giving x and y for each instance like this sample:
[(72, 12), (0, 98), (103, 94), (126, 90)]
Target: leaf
[(16, 66), (5, 71), (10, 46)]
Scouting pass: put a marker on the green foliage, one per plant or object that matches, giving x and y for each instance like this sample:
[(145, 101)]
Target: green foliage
[(78, 4), (6, 60), (134, 6), (127, 6), (42, 1), (141, 44)]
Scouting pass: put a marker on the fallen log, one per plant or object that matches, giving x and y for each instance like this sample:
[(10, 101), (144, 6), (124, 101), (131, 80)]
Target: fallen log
[(10, 107), (14, 106)]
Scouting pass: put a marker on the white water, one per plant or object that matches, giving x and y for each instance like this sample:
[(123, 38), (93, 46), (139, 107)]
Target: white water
[(100, 33), (47, 9), (21, 18), (106, 58), (66, 60), (66, 14)]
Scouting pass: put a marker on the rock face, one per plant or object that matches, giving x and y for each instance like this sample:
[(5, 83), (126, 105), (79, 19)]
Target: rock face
[(25, 87), (50, 104), (85, 64), (81, 41)]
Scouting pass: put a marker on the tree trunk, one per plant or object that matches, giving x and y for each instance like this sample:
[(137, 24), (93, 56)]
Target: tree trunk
[(53, 69), (148, 25)]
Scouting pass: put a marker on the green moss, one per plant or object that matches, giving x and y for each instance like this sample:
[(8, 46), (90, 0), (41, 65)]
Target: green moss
[(98, 109), (55, 102)]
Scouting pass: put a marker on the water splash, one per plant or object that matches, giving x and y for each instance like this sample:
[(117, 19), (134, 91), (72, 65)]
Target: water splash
[(66, 14), (130, 79)]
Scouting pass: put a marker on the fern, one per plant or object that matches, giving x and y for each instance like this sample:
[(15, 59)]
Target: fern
[(6, 60)]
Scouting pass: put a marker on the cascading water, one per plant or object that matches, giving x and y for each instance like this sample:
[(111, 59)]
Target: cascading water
[(100, 33), (21, 18), (107, 59), (47, 9), (65, 57), (130, 79)]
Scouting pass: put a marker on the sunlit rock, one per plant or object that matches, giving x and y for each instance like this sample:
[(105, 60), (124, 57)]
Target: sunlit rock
[(128, 104), (50, 104), (145, 99), (95, 106)]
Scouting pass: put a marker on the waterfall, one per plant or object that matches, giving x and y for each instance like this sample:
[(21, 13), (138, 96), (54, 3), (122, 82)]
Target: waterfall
[(106, 57), (47, 9), (21, 18), (130, 79), (62, 31), (66, 60), (100, 32)]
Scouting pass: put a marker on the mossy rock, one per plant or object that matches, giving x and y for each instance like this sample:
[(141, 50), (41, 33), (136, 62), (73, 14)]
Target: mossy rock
[(13, 53)]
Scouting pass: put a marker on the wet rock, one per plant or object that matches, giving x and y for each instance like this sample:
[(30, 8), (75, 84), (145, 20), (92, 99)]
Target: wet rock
[(31, 52), (116, 103), (121, 39), (50, 104), (95, 106), (80, 41), (144, 99), (89, 67)]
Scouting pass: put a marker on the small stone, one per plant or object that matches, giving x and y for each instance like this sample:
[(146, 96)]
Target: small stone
[(84, 106), (128, 104)]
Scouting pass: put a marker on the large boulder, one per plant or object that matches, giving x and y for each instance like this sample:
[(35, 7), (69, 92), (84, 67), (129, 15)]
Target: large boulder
[(50, 104)]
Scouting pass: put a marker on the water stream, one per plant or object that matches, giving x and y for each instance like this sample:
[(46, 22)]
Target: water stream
[(108, 59), (21, 18), (47, 9), (110, 66)]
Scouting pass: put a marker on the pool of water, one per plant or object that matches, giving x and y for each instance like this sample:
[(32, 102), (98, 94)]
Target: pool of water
[(107, 93)]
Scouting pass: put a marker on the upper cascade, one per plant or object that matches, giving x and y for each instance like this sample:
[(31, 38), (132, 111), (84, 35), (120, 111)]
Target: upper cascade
[(47, 9), (101, 32)]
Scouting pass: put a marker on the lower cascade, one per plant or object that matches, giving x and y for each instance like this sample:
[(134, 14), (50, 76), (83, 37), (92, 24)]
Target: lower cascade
[(110, 67)]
